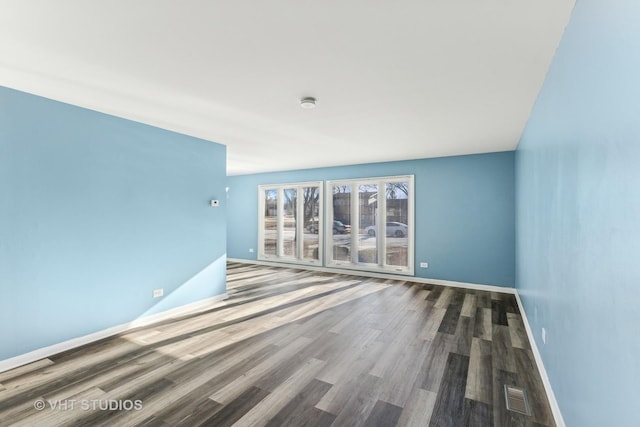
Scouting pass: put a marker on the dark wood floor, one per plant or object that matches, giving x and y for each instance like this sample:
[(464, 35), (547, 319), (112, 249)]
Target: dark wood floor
[(297, 348)]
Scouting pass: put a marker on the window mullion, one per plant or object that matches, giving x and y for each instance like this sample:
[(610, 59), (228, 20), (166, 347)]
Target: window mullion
[(280, 222), (382, 223), (355, 222), (300, 222), (328, 218)]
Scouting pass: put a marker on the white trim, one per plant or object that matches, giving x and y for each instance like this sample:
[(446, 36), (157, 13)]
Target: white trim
[(555, 408), (370, 268), (379, 275), (51, 350), (381, 223)]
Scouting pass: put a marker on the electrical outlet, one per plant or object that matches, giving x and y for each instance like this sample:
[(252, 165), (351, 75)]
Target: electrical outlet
[(250, 250), (544, 336), (157, 293), (424, 265)]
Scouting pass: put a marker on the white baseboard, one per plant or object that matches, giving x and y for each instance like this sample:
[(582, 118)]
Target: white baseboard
[(555, 408), (48, 351), (481, 287)]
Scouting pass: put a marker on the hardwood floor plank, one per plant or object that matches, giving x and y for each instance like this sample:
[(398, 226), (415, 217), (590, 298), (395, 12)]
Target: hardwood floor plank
[(434, 364), (157, 402), (286, 367), (301, 411), (531, 381), (154, 422), (355, 407), (339, 395), (469, 305), (502, 350), (501, 416), (16, 373), (43, 381), (480, 378), (229, 361), (435, 293), (449, 406), (407, 334), (432, 323), (190, 411), (452, 316), (418, 409), (141, 394), (110, 379), (234, 410), (511, 305), (245, 380), (344, 362), (498, 313), (483, 299), (58, 412), (352, 317), (444, 299), (267, 408), (483, 326), (316, 325), (464, 335), (517, 331), (418, 298), (384, 414), (389, 332), (177, 410), (477, 413), (400, 375)]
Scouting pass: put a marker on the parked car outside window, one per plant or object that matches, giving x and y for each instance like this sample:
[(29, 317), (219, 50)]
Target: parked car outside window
[(340, 228), (394, 229)]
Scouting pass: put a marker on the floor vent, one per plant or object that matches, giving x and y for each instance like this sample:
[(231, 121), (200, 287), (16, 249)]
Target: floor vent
[(517, 401)]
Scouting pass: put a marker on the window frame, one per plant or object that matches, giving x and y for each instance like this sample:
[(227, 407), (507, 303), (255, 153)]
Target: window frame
[(299, 236), (381, 266)]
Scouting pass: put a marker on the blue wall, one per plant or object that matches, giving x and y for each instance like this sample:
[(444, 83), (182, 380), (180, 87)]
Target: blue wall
[(95, 213), (464, 210), (578, 216)]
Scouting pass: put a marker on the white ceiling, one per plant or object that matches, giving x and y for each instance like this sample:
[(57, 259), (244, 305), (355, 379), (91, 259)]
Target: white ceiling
[(394, 79)]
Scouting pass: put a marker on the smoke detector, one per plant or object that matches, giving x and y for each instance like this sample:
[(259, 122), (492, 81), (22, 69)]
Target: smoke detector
[(308, 102)]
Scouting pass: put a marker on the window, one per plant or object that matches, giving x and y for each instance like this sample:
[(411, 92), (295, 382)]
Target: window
[(367, 224), (371, 224), (290, 227)]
